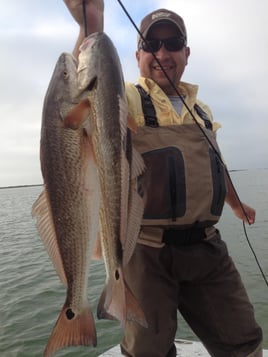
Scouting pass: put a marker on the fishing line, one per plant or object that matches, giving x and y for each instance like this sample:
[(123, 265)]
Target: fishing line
[(201, 129), (85, 17), (260, 268), (245, 230)]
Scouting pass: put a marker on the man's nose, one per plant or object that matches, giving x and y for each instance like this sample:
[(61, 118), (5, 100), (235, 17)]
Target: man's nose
[(162, 52)]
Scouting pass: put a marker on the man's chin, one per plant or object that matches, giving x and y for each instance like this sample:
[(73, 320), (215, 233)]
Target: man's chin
[(164, 84)]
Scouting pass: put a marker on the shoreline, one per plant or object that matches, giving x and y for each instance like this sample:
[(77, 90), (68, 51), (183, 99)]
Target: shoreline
[(21, 186)]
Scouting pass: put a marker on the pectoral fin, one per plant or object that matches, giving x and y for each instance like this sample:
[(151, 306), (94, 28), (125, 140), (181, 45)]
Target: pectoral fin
[(77, 115)]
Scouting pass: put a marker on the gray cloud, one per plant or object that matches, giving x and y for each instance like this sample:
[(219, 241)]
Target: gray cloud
[(229, 53)]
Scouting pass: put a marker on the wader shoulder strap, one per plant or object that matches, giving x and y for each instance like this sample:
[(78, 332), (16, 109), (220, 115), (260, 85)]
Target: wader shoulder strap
[(148, 108), (203, 115), (150, 114)]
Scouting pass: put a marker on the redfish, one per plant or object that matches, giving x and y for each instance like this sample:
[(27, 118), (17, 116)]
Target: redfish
[(67, 211), (99, 70)]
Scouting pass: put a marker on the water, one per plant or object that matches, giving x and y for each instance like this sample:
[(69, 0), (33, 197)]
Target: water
[(31, 295)]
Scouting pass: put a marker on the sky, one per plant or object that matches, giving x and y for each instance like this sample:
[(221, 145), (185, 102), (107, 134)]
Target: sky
[(229, 56)]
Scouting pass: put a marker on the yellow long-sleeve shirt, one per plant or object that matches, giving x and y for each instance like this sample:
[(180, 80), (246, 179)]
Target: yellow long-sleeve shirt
[(165, 112)]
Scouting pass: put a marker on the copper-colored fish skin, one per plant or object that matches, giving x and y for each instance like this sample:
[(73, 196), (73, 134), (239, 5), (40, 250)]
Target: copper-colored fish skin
[(67, 212)]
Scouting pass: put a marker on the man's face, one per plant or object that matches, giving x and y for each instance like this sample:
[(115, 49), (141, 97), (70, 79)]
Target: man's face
[(173, 62)]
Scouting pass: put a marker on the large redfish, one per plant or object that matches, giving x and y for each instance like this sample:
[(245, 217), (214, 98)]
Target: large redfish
[(67, 211), (99, 70)]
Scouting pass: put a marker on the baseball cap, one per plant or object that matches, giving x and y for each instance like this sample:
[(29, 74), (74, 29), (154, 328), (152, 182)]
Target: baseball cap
[(161, 16)]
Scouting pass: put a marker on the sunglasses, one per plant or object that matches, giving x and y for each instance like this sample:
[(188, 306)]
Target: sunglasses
[(172, 44)]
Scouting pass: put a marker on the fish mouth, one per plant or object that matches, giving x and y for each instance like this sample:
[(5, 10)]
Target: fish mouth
[(89, 84), (93, 83), (88, 42)]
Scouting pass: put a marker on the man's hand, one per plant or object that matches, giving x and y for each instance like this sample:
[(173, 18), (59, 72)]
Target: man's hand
[(247, 214), (94, 13)]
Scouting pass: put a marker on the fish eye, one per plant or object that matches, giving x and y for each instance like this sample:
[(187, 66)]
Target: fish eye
[(65, 74)]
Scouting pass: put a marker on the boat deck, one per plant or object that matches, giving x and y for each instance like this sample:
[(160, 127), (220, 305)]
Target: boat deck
[(185, 348)]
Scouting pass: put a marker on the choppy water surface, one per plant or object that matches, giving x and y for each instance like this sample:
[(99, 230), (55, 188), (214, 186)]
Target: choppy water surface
[(31, 294)]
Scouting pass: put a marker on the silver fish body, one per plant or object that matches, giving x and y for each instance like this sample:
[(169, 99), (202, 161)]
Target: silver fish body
[(121, 209)]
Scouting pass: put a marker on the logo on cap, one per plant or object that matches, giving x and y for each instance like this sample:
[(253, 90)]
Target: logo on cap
[(160, 14)]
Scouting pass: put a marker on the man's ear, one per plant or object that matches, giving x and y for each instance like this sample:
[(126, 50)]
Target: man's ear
[(187, 53)]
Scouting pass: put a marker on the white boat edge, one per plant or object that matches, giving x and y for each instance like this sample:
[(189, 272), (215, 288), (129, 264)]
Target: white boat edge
[(185, 348)]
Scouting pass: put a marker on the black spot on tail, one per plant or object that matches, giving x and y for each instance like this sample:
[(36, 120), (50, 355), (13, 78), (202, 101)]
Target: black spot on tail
[(117, 275), (70, 314)]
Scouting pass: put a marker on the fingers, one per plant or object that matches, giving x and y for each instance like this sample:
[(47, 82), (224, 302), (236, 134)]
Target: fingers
[(249, 214)]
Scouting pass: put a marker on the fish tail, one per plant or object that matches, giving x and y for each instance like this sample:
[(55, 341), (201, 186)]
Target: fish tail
[(72, 330), (134, 311), (112, 303), (118, 302)]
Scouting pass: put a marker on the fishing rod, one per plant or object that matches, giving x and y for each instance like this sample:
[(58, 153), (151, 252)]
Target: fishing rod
[(203, 132)]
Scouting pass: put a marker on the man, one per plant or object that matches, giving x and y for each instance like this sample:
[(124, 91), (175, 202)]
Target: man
[(180, 261)]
